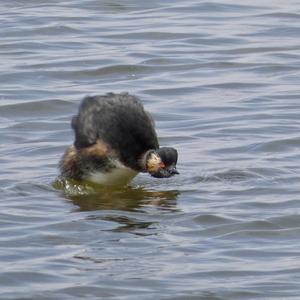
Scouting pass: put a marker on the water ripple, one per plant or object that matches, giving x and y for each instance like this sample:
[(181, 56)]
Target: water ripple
[(222, 82)]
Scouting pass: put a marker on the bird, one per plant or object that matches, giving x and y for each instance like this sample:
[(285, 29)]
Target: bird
[(115, 139)]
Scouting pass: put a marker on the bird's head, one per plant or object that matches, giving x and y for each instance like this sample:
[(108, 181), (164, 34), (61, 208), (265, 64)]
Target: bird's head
[(161, 163)]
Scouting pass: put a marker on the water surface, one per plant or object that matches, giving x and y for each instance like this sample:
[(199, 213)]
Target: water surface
[(222, 82)]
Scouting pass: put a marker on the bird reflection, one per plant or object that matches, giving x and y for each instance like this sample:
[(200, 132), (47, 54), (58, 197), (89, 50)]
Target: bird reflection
[(88, 197)]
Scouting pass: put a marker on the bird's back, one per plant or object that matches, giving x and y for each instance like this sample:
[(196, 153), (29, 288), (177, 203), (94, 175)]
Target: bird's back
[(118, 120)]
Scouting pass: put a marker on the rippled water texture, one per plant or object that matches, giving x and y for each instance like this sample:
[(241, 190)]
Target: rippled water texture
[(222, 82)]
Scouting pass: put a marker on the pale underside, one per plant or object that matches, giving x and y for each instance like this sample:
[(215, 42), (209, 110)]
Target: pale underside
[(120, 175)]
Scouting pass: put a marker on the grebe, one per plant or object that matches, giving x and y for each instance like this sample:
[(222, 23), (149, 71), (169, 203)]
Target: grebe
[(115, 139)]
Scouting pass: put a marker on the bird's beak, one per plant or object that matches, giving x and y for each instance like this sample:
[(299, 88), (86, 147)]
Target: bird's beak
[(173, 171), (165, 172)]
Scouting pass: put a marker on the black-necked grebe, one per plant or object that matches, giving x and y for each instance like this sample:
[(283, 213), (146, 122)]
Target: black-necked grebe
[(114, 140)]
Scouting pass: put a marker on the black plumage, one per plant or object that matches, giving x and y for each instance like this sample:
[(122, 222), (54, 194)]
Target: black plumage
[(120, 121), (111, 128)]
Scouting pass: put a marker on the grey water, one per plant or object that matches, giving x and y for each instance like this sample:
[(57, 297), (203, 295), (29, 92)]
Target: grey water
[(221, 79)]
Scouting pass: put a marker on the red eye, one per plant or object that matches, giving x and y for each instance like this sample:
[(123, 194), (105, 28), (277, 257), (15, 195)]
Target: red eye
[(162, 165)]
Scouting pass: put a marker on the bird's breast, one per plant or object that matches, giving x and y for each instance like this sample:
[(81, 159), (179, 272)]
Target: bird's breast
[(119, 175)]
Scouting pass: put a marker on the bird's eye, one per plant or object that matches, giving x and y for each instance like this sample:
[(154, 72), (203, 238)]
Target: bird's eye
[(162, 165)]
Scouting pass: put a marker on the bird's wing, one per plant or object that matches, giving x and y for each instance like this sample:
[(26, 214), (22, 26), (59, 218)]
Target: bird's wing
[(120, 121)]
